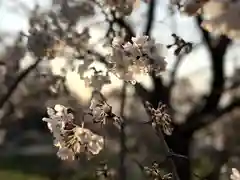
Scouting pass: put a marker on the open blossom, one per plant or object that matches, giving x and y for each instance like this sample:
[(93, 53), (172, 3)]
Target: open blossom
[(235, 174), (96, 79), (71, 139), (123, 6), (159, 117), (137, 57), (101, 112)]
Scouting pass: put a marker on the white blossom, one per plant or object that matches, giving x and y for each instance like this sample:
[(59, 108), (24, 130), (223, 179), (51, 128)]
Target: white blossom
[(123, 6), (139, 57), (92, 142), (70, 138), (65, 154), (235, 174)]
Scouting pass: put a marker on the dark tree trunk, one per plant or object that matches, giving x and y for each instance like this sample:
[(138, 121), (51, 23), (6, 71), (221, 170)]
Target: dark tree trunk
[(179, 144)]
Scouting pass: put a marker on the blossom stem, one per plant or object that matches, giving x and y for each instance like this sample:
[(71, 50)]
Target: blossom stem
[(167, 150), (123, 150)]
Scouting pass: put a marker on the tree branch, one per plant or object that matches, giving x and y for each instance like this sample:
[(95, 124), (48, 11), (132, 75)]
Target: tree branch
[(207, 119), (167, 152), (210, 103), (174, 73), (15, 84), (150, 16), (129, 31), (123, 150)]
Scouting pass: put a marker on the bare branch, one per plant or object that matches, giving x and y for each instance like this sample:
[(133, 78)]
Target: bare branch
[(174, 72), (150, 16), (210, 103), (206, 119), (123, 151), (19, 79)]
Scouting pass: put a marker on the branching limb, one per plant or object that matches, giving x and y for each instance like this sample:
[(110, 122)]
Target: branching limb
[(209, 103), (18, 80)]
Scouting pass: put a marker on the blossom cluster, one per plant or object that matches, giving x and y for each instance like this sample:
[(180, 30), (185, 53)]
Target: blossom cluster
[(140, 56), (160, 119), (101, 111), (235, 175), (137, 57), (122, 6), (70, 138), (154, 172), (220, 16)]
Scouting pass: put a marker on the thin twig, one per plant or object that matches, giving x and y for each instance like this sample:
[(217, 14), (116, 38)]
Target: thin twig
[(150, 15), (166, 151), (123, 151), (15, 84), (174, 72)]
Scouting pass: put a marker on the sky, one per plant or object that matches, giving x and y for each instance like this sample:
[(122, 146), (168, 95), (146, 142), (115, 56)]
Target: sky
[(14, 13), (14, 18)]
